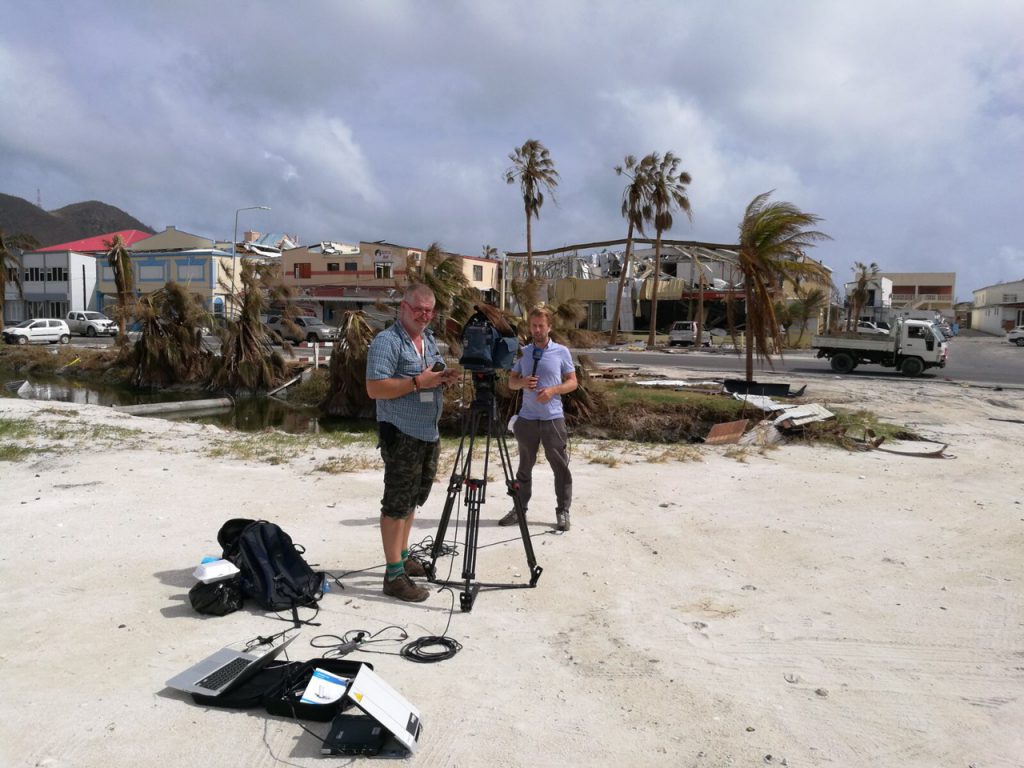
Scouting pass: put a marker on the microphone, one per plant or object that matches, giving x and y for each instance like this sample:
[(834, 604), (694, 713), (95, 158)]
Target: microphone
[(538, 353)]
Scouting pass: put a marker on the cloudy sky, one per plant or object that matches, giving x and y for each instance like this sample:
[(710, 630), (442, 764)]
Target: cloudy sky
[(900, 123)]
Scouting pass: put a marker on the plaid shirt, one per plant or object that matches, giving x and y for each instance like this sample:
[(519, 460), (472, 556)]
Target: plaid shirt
[(393, 355)]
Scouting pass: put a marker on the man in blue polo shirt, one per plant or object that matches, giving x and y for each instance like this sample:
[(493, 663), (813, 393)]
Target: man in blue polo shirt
[(545, 372), (409, 397)]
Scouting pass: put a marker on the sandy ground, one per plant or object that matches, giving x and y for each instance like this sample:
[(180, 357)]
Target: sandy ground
[(802, 606)]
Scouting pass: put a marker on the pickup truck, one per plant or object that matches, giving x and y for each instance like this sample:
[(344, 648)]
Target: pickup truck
[(911, 347), (91, 324)]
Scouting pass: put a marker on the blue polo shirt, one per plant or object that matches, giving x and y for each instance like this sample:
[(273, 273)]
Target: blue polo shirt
[(393, 355), (552, 367)]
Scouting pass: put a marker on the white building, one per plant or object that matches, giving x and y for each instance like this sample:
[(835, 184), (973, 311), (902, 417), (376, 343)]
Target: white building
[(53, 284), (998, 308)]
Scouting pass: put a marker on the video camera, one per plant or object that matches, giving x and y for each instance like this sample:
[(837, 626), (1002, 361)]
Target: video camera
[(488, 342)]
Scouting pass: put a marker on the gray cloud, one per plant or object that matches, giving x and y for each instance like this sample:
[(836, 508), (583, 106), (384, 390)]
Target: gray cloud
[(901, 124)]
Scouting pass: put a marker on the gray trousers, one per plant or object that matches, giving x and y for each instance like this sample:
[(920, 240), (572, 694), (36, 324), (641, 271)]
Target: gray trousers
[(552, 434)]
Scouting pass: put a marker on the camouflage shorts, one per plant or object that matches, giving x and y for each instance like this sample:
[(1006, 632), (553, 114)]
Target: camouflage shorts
[(410, 466)]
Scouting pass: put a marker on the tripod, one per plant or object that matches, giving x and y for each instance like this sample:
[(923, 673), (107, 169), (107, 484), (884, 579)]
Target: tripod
[(481, 416)]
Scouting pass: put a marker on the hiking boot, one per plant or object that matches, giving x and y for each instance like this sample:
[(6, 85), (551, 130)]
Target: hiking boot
[(510, 518), (562, 519), (414, 567), (403, 588)]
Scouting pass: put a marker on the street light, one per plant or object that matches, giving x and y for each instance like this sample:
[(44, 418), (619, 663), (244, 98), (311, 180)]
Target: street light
[(234, 246)]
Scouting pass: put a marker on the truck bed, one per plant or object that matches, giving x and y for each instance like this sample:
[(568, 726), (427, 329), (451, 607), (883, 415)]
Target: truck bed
[(875, 344)]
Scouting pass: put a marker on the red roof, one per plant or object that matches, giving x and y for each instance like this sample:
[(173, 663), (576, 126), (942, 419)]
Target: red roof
[(97, 244)]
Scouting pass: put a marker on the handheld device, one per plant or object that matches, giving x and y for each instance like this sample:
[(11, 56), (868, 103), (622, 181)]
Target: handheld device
[(438, 366)]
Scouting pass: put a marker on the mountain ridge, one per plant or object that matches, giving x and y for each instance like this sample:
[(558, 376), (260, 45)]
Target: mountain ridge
[(71, 222)]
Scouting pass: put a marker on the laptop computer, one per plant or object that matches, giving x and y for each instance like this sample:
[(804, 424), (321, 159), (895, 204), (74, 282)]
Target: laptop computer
[(390, 728), (230, 665)]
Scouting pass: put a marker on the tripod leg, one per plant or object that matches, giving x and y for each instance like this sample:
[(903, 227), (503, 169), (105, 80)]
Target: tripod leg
[(513, 491), (454, 490)]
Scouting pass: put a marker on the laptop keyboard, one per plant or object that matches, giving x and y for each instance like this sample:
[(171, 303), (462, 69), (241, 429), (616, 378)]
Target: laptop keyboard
[(225, 674)]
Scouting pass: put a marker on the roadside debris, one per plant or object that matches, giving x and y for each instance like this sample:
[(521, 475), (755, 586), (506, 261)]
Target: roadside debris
[(726, 433)]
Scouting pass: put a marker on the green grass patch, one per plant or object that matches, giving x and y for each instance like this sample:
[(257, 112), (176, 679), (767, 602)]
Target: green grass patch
[(17, 429), (275, 447), (67, 414), (10, 452), (342, 464), (848, 428)]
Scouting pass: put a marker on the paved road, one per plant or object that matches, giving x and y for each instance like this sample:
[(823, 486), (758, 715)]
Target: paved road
[(976, 359)]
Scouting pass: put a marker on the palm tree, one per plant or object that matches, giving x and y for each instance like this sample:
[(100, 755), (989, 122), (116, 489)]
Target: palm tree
[(773, 237), (454, 297), (808, 304), (120, 262), (863, 273), (636, 209), (534, 169), (668, 192), (490, 252), (247, 360), (10, 264), (170, 347), (346, 395)]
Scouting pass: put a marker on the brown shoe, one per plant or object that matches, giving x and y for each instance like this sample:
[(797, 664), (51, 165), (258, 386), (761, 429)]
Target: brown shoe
[(404, 589), (414, 567)]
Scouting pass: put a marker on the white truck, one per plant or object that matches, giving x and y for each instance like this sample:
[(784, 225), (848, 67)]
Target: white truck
[(91, 324), (912, 346)]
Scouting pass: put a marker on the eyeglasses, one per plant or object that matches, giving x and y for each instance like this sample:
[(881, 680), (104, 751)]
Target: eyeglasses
[(421, 311)]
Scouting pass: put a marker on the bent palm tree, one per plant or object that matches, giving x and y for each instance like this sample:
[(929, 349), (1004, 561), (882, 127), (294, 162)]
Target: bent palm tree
[(636, 209), (170, 347), (668, 192), (346, 395), (247, 360), (863, 273), (10, 265), (534, 169), (773, 237), (120, 261)]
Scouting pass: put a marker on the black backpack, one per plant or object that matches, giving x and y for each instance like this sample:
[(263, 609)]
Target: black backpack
[(273, 571)]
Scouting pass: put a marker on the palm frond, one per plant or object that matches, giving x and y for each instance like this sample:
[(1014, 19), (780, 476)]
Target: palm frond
[(346, 395)]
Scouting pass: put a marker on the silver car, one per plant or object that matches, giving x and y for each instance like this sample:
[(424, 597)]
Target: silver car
[(1016, 336), (306, 328)]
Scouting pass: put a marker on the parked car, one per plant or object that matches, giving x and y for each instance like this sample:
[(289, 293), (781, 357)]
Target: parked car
[(682, 334), (1016, 336), (865, 326), (37, 332), (91, 324), (306, 328)]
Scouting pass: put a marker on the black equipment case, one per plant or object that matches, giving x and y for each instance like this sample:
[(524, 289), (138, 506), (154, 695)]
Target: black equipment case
[(278, 688)]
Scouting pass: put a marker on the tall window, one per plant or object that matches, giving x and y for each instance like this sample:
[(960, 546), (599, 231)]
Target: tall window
[(382, 270), (302, 271), (478, 272)]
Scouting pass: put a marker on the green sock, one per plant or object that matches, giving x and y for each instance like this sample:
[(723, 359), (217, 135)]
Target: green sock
[(405, 555), (394, 570)]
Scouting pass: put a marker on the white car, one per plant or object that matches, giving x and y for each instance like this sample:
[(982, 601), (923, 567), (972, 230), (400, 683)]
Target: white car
[(1016, 336), (864, 326), (91, 324), (683, 332), (38, 332)]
